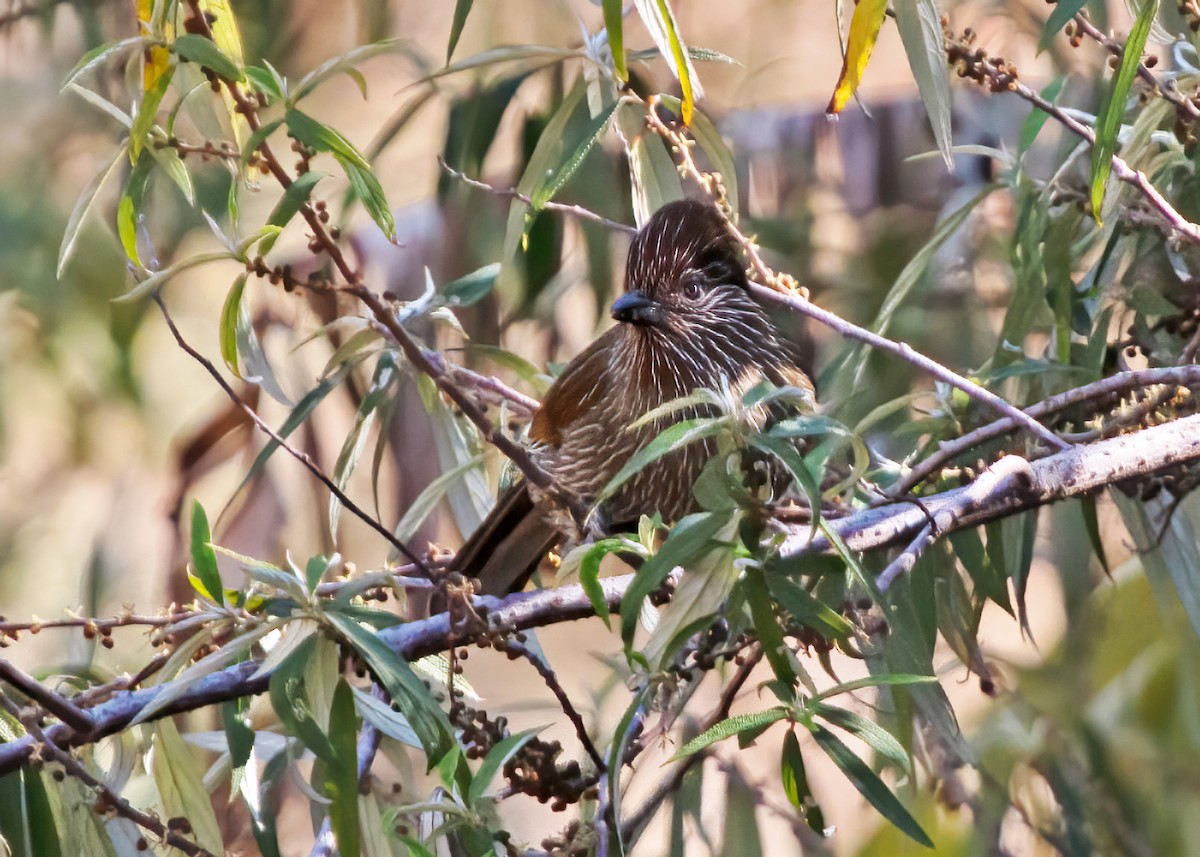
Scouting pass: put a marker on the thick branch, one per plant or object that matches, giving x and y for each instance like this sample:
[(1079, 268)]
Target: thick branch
[(1013, 486)]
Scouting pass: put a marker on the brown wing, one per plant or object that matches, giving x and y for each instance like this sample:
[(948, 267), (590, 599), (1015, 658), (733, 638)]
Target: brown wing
[(581, 386)]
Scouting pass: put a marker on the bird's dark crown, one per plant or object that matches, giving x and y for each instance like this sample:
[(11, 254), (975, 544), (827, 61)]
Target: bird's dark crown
[(684, 249)]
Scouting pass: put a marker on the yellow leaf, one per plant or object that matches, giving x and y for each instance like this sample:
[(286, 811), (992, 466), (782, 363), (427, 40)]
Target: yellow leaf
[(154, 58), (864, 30), (228, 38)]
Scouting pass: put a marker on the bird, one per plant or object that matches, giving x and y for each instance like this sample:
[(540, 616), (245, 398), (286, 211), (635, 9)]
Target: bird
[(685, 321)]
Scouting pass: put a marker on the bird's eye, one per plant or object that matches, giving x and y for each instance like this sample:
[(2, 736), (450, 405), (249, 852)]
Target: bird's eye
[(692, 288)]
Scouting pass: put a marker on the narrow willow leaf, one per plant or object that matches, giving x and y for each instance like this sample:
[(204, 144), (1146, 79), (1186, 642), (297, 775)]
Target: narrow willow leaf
[(384, 718), (1092, 524), (231, 310), (298, 415), (807, 609), (83, 206), (1037, 118), (180, 782), (169, 161), (869, 785), (660, 22), (494, 762), (920, 26), (505, 53), (787, 453), (267, 81), (101, 103), (462, 8), (139, 131), (202, 50), (791, 769), (385, 376), (429, 497), (344, 64), (766, 625), (1112, 108), (341, 776), (204, 558), (690, 537), (99, 55), (673, 438), (871, 733), (864, 30), (157, 279), (614, 26), (730, 727), (414, 699), (652, 172), (471, 288), (887, 680)]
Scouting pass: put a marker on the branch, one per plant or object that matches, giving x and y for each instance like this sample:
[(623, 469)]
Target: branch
[(1012, 488), (1177, 376)]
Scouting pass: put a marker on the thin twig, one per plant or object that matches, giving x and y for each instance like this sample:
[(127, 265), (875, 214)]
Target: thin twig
[(576, 211), (303, 458), (564, 701), (61, 707)]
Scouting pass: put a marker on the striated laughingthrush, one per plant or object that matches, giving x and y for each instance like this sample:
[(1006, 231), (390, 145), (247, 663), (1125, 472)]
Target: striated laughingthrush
[(686, 321)]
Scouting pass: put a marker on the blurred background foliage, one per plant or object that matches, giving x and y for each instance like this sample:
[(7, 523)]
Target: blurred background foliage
[(1086, 727)]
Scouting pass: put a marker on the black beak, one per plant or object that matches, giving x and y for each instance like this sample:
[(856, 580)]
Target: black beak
[(637, 308)]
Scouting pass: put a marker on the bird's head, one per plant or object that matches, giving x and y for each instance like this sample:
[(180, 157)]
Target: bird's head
[(684, 274)]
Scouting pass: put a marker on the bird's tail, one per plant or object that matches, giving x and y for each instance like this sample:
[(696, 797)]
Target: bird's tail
[(509, 545)]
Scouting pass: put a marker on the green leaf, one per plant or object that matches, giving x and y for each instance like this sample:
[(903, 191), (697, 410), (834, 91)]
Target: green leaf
[(675, 437), (430, 496), (1064, 11), (139, 131), (341, 777), (204, 558), (297, 416), (129, 208), (83, 206), (614, 26), (1036, 119), (1091, 523), (661, 24), (203, 50), (886, 680), (792, 774), (807, 609), (231, 312), (358, 171), (871, 733), (920, 26), (589, 557), (344, 64), (268, 81), (377, 396), (790, 456), (690, 537), (462, 8), (416, 703), (472, 288), (766, 625), (296, 194), (730, 727), (494, 762), (869, 785), (99, 54), (161, 277), (1112, 109)]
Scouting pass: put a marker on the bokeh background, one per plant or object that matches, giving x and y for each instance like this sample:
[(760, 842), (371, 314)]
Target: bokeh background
[(107, 429)]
